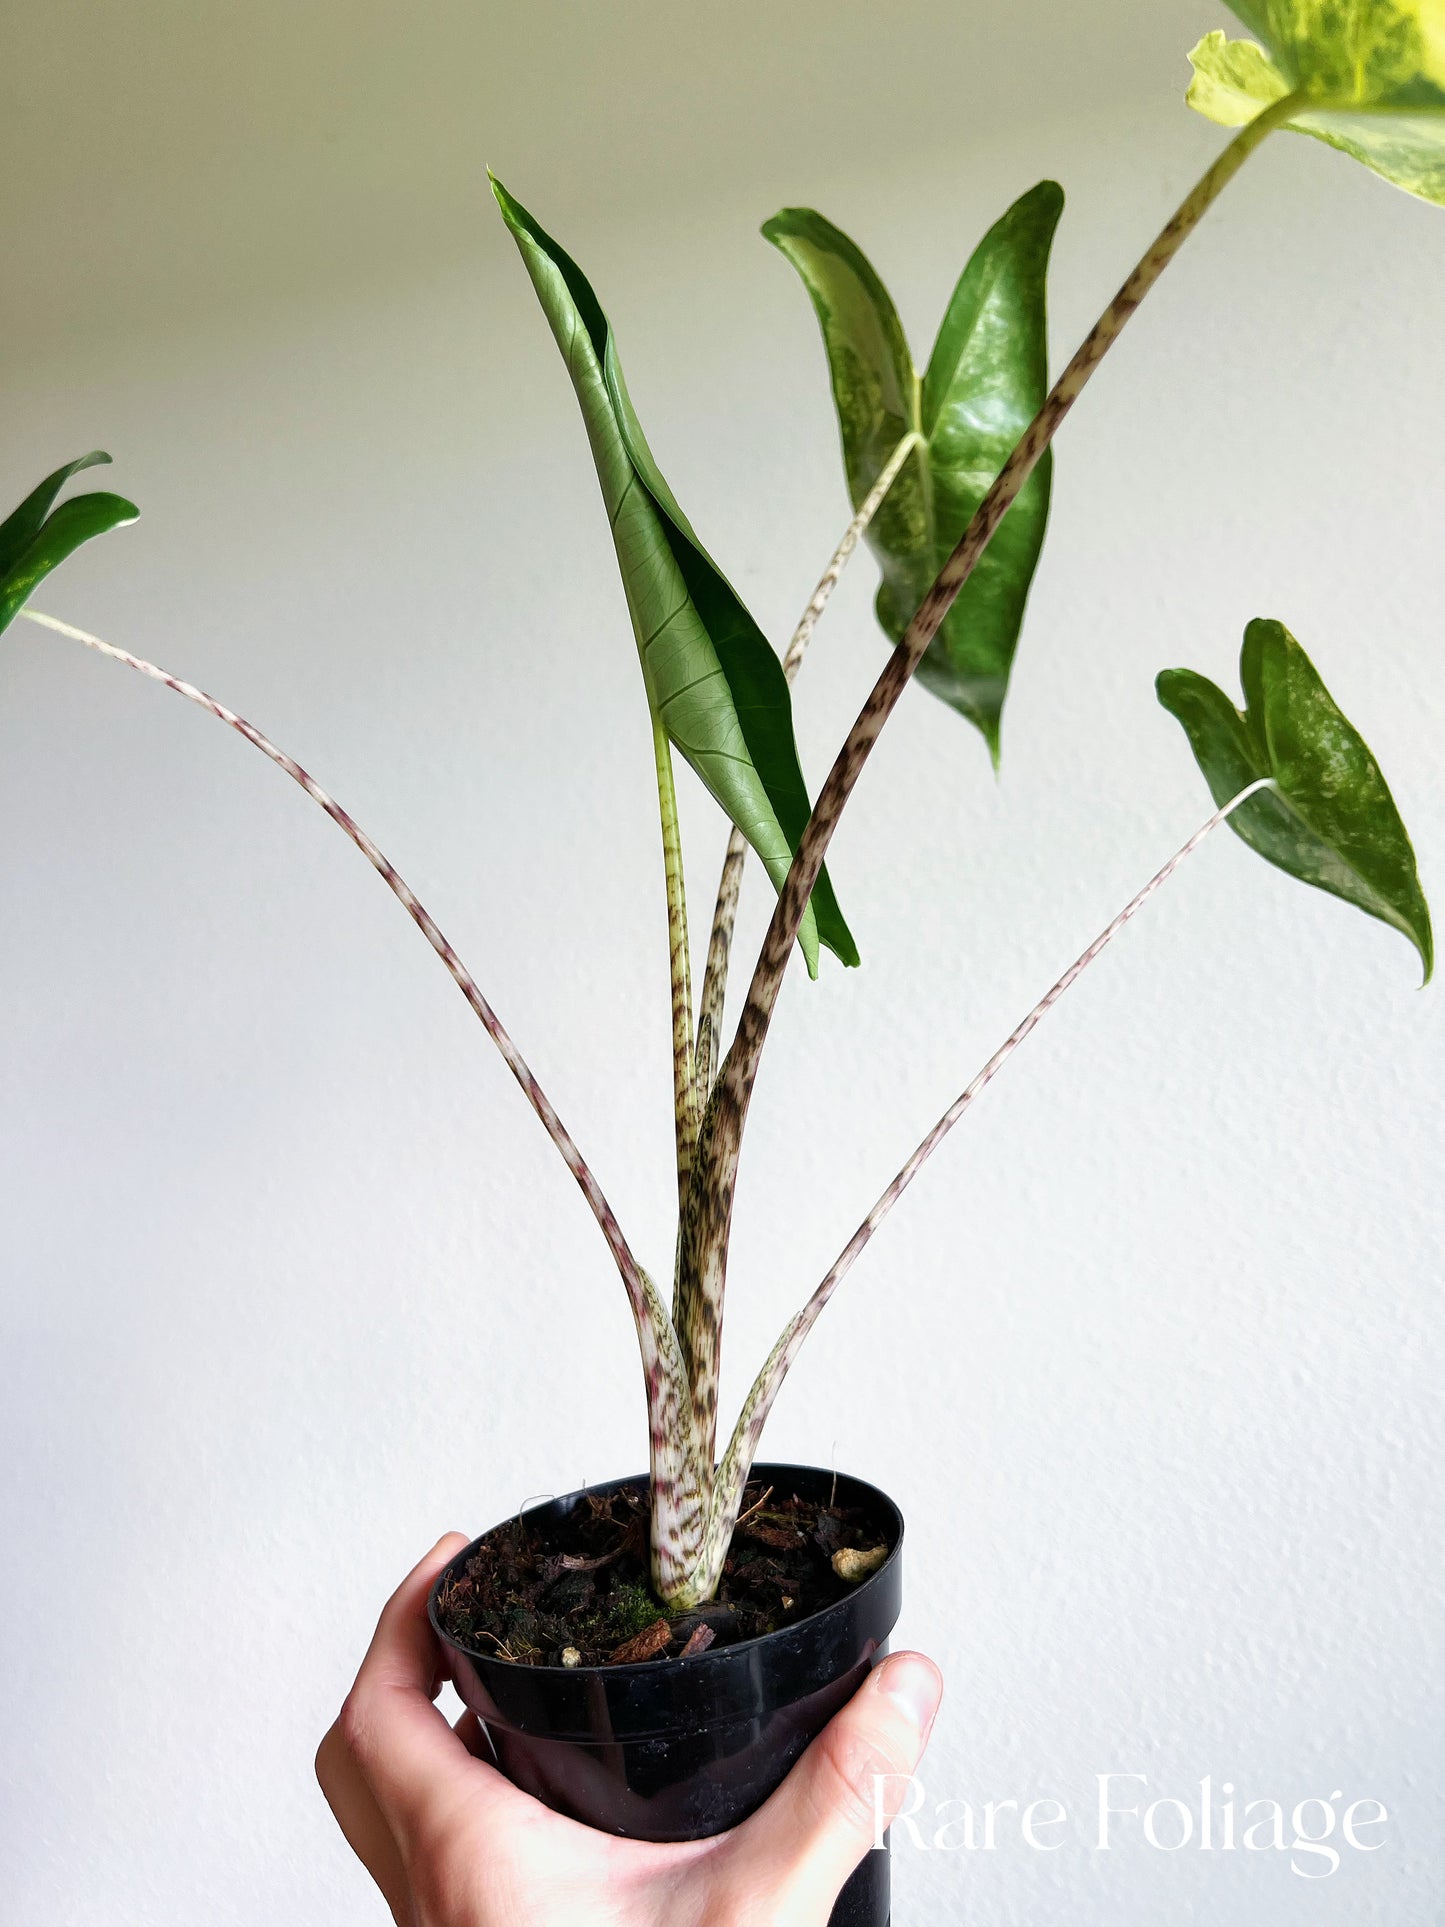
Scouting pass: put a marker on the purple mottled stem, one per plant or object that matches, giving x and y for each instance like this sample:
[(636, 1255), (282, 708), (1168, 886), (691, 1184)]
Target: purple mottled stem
[(721, 1136), (733, 1473)]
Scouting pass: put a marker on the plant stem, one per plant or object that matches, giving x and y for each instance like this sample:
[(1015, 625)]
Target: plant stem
[(715, 975), (684, 1098), (732, 1475), (719, 951), (728, 1106), (697, 1316), (681, 1483), (828, 580), (1005, 1051), (617, 1244)]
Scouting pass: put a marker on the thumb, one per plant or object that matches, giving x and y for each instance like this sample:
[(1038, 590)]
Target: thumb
[(797, 1850)]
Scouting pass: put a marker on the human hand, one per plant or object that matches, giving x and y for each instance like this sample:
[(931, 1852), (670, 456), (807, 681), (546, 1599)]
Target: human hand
[(451, 1843)]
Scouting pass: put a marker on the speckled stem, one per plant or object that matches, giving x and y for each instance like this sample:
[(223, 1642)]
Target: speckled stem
[(715, 972), (697, 1317), (715, 975), (711, 1201), (681, 1475), (684, 1097), (852, 535), (732, 1475), (675, 1464)]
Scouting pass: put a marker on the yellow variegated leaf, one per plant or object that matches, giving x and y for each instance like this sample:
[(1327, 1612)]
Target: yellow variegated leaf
[(1233, 80), (1370, 73)]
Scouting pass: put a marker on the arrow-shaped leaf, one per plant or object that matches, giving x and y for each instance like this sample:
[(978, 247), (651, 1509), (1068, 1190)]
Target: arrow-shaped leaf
[(1330, 819), (32, 545), (711, 675), (22, 525), (1371, 72), (985, 381)]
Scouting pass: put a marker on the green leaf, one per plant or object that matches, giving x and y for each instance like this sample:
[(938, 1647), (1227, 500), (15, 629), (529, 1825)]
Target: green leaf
[(32, 545), (711, 675), (22, 525), (985, 381), (1330, 820), (1372, 73)]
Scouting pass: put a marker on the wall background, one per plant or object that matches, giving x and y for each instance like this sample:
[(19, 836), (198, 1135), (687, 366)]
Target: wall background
[(294, 1283)]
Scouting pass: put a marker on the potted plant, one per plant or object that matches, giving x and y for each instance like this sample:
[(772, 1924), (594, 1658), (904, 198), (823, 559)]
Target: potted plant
[(651, 1654)]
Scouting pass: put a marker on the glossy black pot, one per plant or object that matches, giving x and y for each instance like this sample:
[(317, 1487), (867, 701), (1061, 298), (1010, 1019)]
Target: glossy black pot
[(680, 1749)]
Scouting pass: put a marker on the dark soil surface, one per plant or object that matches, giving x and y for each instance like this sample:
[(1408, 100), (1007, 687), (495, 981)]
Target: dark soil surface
[(580, 1585)]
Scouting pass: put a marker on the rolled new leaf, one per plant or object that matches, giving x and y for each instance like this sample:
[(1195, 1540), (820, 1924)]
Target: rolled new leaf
[(34, 540), (1330, 819), (985, 381), (711, 675), (1371, 75)]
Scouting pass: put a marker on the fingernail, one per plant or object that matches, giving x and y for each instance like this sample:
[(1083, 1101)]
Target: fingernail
[(913, 1686)]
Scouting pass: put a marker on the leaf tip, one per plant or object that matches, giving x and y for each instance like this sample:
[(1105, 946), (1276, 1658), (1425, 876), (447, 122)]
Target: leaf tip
[(778, 225), (1048, 196), (1424, 939), (1207, 48), (1164, 686), (511, 210), (1231, 81), (808, 943)]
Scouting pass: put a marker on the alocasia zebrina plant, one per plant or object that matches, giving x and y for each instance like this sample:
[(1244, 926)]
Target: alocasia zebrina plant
[(948, 474)]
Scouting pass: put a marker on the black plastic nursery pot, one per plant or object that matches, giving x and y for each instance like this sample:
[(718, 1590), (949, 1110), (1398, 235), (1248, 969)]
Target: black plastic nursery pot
[(679, 1749)]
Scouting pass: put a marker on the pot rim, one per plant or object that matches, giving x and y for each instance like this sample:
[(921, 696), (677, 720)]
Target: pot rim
[(629, 1668)]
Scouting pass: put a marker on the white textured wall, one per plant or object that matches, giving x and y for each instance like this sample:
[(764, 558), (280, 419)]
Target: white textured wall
[(1151, 1355)]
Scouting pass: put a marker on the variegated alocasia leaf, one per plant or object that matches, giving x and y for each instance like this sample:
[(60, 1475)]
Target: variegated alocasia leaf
[(985, 381), (34, 540), (711, 676), (1330, 819), (1371, 74)]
